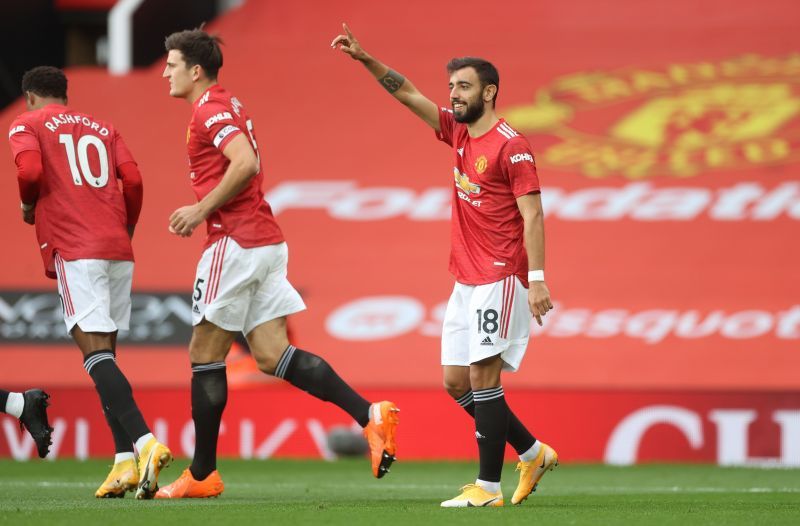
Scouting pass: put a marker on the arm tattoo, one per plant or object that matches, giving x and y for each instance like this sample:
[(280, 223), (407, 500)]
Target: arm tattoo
[(392, 81)]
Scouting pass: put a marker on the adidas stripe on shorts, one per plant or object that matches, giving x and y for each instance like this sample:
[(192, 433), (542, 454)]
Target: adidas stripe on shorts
[(238, 288), (486, 320), (95, 293)]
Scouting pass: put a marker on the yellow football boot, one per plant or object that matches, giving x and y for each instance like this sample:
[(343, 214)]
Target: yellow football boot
[(474, 496), (124, 477), (153, 457), (530, 473)]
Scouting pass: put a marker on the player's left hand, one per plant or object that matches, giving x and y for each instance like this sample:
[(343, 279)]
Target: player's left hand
[(29, 213), (185, 219), (539, 300)]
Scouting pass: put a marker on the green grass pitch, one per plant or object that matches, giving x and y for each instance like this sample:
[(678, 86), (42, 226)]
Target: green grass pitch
[(344, 493)]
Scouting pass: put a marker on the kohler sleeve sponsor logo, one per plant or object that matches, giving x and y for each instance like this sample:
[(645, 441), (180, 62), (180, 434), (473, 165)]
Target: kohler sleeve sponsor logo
[(16, 129), (36, 317), (519, 157), (222, 116)]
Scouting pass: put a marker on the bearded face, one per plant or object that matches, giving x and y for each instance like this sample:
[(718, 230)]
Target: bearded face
[(468, 110), (466, 95)]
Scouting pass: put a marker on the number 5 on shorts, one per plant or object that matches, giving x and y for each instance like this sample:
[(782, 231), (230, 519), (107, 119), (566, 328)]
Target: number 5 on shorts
[(197, 292)]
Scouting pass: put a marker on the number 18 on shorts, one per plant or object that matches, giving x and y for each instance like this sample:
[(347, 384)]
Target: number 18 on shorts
[(486, 320)]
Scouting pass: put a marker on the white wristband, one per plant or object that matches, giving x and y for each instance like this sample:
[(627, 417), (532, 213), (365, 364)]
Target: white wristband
[(536, 275)]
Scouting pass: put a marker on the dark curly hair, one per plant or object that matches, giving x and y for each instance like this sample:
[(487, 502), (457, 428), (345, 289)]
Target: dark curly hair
[(45, 81)]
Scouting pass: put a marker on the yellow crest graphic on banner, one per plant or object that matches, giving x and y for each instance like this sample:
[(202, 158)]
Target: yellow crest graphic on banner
[(681, 121)]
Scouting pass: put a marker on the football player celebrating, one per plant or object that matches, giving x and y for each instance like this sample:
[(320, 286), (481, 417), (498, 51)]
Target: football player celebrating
[(497, 258)]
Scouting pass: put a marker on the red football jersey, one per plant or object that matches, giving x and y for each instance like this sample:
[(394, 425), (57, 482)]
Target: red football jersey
[(218, 117), (490, 172), (80, 212)]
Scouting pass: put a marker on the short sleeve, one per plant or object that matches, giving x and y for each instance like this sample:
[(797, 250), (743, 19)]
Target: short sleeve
[(447, 125), (217, 122), (22, 138), (122, 154), (519, 165)]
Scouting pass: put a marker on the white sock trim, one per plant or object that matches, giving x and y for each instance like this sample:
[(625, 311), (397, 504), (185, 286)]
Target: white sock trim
[(491, 487), (122, 457), (532, 453), (142, 441), (375, 411), (15, 404)]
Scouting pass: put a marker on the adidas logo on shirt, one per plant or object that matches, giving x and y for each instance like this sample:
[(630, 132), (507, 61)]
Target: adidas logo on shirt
[(487, 341), (195, 309)]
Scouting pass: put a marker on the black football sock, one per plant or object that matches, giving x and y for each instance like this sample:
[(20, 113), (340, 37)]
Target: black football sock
[(209, 396), (491, 430), (122, 444), (315, 376), (518, 435), (3, 400), (115, 393)]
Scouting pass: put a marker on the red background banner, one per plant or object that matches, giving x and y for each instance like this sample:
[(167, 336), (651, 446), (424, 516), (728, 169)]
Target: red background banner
[(617, 427), (666, 138)]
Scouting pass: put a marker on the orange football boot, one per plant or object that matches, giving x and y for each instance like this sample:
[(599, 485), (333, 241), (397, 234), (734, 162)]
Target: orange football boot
[(186, 487), (380, 430)]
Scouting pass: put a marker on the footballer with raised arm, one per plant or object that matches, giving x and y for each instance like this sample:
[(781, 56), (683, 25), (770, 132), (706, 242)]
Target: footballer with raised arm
[(497, 258)]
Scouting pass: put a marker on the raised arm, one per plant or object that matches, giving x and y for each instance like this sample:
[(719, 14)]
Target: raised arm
[(400, 87)]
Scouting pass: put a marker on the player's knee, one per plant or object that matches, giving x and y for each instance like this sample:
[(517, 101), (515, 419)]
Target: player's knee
[(268, 353), (456, 388), (199, 354), (266, 363), (483, 377), (203, 351), (456, 381)]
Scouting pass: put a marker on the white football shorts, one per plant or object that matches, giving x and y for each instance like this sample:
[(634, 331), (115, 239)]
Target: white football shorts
[(486, 320), (238, 288), (95, 293)]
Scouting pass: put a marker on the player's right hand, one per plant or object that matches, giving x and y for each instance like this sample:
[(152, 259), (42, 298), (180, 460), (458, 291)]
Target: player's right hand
[(29, 214), (183, 221), (348, 44)]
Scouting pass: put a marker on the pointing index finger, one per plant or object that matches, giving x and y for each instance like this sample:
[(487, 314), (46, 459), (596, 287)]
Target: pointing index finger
[(347, 30)]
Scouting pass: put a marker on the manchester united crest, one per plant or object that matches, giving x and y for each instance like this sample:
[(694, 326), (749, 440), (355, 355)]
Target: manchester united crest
[(480, 164), (681, 120)]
